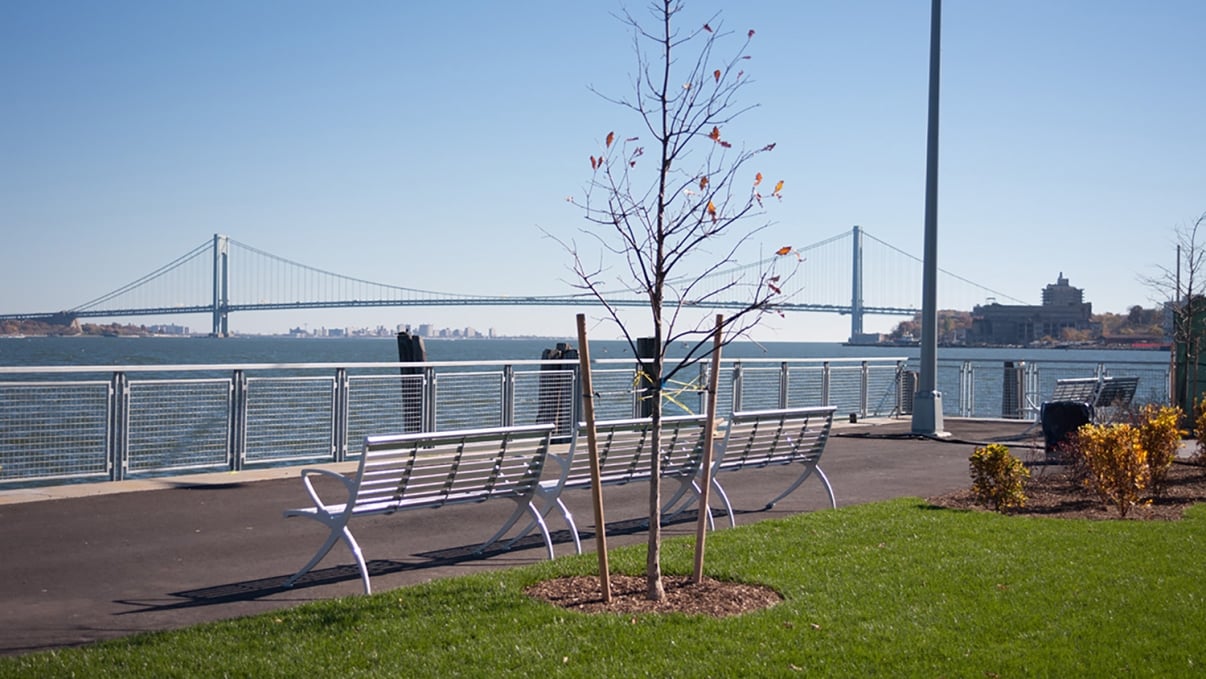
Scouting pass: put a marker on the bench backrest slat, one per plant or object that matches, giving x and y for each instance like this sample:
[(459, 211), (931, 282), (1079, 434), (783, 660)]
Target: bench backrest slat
[(770, 437), (431, 469), (1096, 392), (624, 448)]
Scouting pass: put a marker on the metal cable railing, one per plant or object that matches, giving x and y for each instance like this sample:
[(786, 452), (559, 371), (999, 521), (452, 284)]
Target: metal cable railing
[(93, 423)]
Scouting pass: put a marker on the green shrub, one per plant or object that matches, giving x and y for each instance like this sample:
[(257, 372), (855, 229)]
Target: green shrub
[(998, 477)]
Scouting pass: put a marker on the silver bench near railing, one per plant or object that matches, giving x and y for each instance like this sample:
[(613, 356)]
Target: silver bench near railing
[(766, 438), (623, 449), (428, 470), (1106, 393)]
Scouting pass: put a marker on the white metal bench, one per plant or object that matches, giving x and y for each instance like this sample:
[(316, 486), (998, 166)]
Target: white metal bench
[(763, 438), (428, 470), (623, 450), (1099, 393)]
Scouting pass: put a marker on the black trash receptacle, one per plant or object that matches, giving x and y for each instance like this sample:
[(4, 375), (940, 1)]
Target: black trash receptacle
[(1060, 420)]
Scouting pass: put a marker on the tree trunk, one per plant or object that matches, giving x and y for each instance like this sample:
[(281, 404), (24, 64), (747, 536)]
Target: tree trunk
[(654, 590)]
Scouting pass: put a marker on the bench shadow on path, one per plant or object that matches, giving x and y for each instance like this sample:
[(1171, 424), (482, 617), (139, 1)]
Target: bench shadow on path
[(251, 590)]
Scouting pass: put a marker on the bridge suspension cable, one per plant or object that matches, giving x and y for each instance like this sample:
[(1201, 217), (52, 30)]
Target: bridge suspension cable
[(221, 276)]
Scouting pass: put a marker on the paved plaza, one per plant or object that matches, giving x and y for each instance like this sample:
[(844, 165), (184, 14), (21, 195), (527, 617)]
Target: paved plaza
[(88, 562)]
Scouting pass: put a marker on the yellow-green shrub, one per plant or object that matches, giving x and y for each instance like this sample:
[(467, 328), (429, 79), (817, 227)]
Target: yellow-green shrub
[(998, 477), (1160, 437), (1115, 461), (1199, 431)]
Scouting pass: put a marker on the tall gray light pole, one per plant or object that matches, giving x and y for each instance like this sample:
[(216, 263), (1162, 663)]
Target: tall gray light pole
[(927, 403)]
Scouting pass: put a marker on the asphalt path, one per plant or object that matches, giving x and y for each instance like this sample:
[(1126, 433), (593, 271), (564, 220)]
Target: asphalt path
[(85, 563)]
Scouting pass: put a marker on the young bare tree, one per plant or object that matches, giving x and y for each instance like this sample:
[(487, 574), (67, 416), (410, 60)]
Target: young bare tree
[(671, 206), (1182, 288)]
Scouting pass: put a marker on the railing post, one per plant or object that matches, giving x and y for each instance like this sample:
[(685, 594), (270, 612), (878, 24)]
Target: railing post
[(864, 389), (1031, 379), (507, 417), (342, 408), (898, 410), (119, 412), (967, 380), (737, 380), (236, 454), (575, 408), (783, 384), (429, 399), (825, 383)]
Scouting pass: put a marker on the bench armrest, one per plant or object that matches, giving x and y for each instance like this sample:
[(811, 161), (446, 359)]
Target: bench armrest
[(348, 484)]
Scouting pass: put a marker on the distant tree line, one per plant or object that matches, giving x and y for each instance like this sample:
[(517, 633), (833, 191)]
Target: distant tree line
[(42, 328), (1137, 322)]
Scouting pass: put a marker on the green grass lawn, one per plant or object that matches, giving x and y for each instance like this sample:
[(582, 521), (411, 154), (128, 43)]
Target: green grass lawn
[(888, 589)]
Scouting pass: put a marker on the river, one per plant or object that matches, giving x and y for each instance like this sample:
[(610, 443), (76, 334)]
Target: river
[(105, 351)]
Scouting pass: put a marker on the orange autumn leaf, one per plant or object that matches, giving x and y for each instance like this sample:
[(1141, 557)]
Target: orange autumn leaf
[(611, 136), (788, 250), (716, 75), (715, 134), (757, 179), (725, 144), (703, 183), (712, 211), (778, 188)]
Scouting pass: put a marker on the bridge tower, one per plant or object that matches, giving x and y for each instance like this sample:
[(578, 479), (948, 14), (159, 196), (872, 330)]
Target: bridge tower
[(221, 325), (856, 287)]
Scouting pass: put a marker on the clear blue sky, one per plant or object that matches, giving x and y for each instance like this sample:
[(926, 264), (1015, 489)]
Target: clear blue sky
[(427, 144)]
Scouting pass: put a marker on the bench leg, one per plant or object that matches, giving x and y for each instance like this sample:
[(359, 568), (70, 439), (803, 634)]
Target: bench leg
[(724, 497), (520, 510), (669, 509), (544, 513), (803, 477), (336, 534), (544, 529)]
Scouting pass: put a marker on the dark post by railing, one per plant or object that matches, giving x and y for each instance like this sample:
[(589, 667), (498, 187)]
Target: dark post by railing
[(556, 396), (411, 350), (643, 384), (1013, 390)]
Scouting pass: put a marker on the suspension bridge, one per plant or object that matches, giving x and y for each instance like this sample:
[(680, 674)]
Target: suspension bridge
[(851, 273)]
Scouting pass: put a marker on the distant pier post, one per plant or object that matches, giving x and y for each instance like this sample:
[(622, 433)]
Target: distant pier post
[(411, 350), (556, 391)]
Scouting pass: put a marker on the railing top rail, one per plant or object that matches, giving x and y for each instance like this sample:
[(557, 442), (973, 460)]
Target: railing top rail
[(854, 359), (226, 367), (190, 367)]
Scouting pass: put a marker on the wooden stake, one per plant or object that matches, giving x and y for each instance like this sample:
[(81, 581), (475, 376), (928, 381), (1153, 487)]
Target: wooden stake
[(705, 485), (596, 490)]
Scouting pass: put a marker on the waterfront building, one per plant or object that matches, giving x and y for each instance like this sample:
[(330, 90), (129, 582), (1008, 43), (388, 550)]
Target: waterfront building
[(1063, 309)]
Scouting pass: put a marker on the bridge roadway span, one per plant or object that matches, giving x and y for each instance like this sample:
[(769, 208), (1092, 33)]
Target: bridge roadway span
[(90, 562)]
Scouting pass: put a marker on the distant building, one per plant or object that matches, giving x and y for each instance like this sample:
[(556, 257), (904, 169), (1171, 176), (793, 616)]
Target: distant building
[(1063, 308)]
